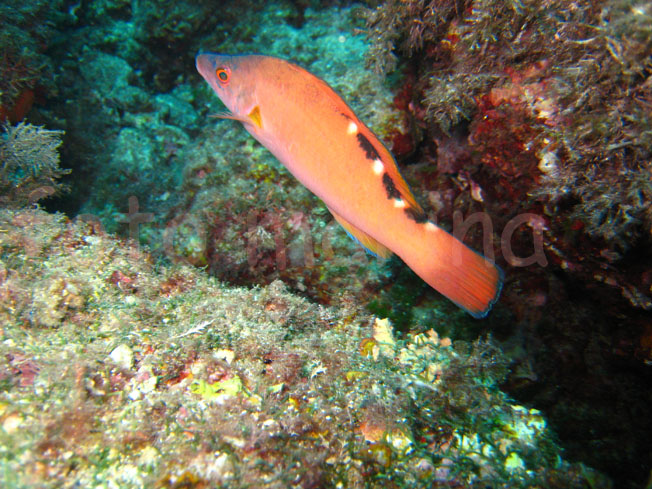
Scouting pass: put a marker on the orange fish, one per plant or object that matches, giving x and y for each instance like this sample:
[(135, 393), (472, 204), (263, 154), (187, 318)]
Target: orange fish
[(316, 135)]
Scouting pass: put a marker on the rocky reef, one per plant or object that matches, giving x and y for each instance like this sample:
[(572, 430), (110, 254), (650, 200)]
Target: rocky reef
[(538, 113), (199, 319), (117, 373)]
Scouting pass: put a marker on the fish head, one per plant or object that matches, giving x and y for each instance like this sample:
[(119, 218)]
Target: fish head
[(232, 78)]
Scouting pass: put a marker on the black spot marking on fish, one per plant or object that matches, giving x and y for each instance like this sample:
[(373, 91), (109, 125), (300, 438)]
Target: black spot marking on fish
[(416, 215), (390, 187), (370, 152)]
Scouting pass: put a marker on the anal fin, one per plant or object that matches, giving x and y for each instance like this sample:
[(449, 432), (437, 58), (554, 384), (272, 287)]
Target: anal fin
[(368, 243)]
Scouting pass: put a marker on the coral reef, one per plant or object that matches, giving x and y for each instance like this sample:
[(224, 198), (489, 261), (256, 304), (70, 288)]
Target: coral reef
[(117, 373)]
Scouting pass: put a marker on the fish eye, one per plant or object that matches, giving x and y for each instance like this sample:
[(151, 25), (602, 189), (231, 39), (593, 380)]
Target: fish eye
[(223, 74)]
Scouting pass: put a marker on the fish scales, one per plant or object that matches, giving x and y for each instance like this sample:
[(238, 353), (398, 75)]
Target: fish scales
[(315, 134)]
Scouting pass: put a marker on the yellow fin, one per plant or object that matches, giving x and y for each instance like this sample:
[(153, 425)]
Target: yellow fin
[(369, 243), (254, 116)]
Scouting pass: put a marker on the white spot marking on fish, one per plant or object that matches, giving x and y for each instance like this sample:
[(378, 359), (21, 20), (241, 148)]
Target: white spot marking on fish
[(431, 227), (352, 129), (379, 168), (399, 203)]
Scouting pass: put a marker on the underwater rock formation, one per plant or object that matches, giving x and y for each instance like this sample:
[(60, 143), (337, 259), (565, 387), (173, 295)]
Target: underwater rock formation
[(118, 373), (495, 109)]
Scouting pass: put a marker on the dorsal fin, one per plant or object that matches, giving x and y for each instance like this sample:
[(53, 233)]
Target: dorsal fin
[(391, 168), (367, 242), (325, 90)]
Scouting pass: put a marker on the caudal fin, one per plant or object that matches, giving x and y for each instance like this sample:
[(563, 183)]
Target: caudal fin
[(449, 266)]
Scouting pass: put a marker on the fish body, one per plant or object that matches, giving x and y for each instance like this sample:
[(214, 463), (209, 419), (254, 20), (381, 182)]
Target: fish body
[(302, 121)]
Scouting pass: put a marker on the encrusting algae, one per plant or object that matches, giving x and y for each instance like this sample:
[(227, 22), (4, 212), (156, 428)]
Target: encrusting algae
[(117, 371), (145, 376)]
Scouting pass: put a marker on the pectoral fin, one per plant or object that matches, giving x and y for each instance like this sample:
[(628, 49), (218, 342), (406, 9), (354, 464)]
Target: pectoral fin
[(368, 243), (252, 118)]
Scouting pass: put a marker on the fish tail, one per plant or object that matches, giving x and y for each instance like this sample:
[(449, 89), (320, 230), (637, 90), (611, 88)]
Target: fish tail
[(467, 278)]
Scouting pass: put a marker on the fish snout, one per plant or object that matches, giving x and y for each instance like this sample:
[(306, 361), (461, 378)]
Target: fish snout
[(204, 64)]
